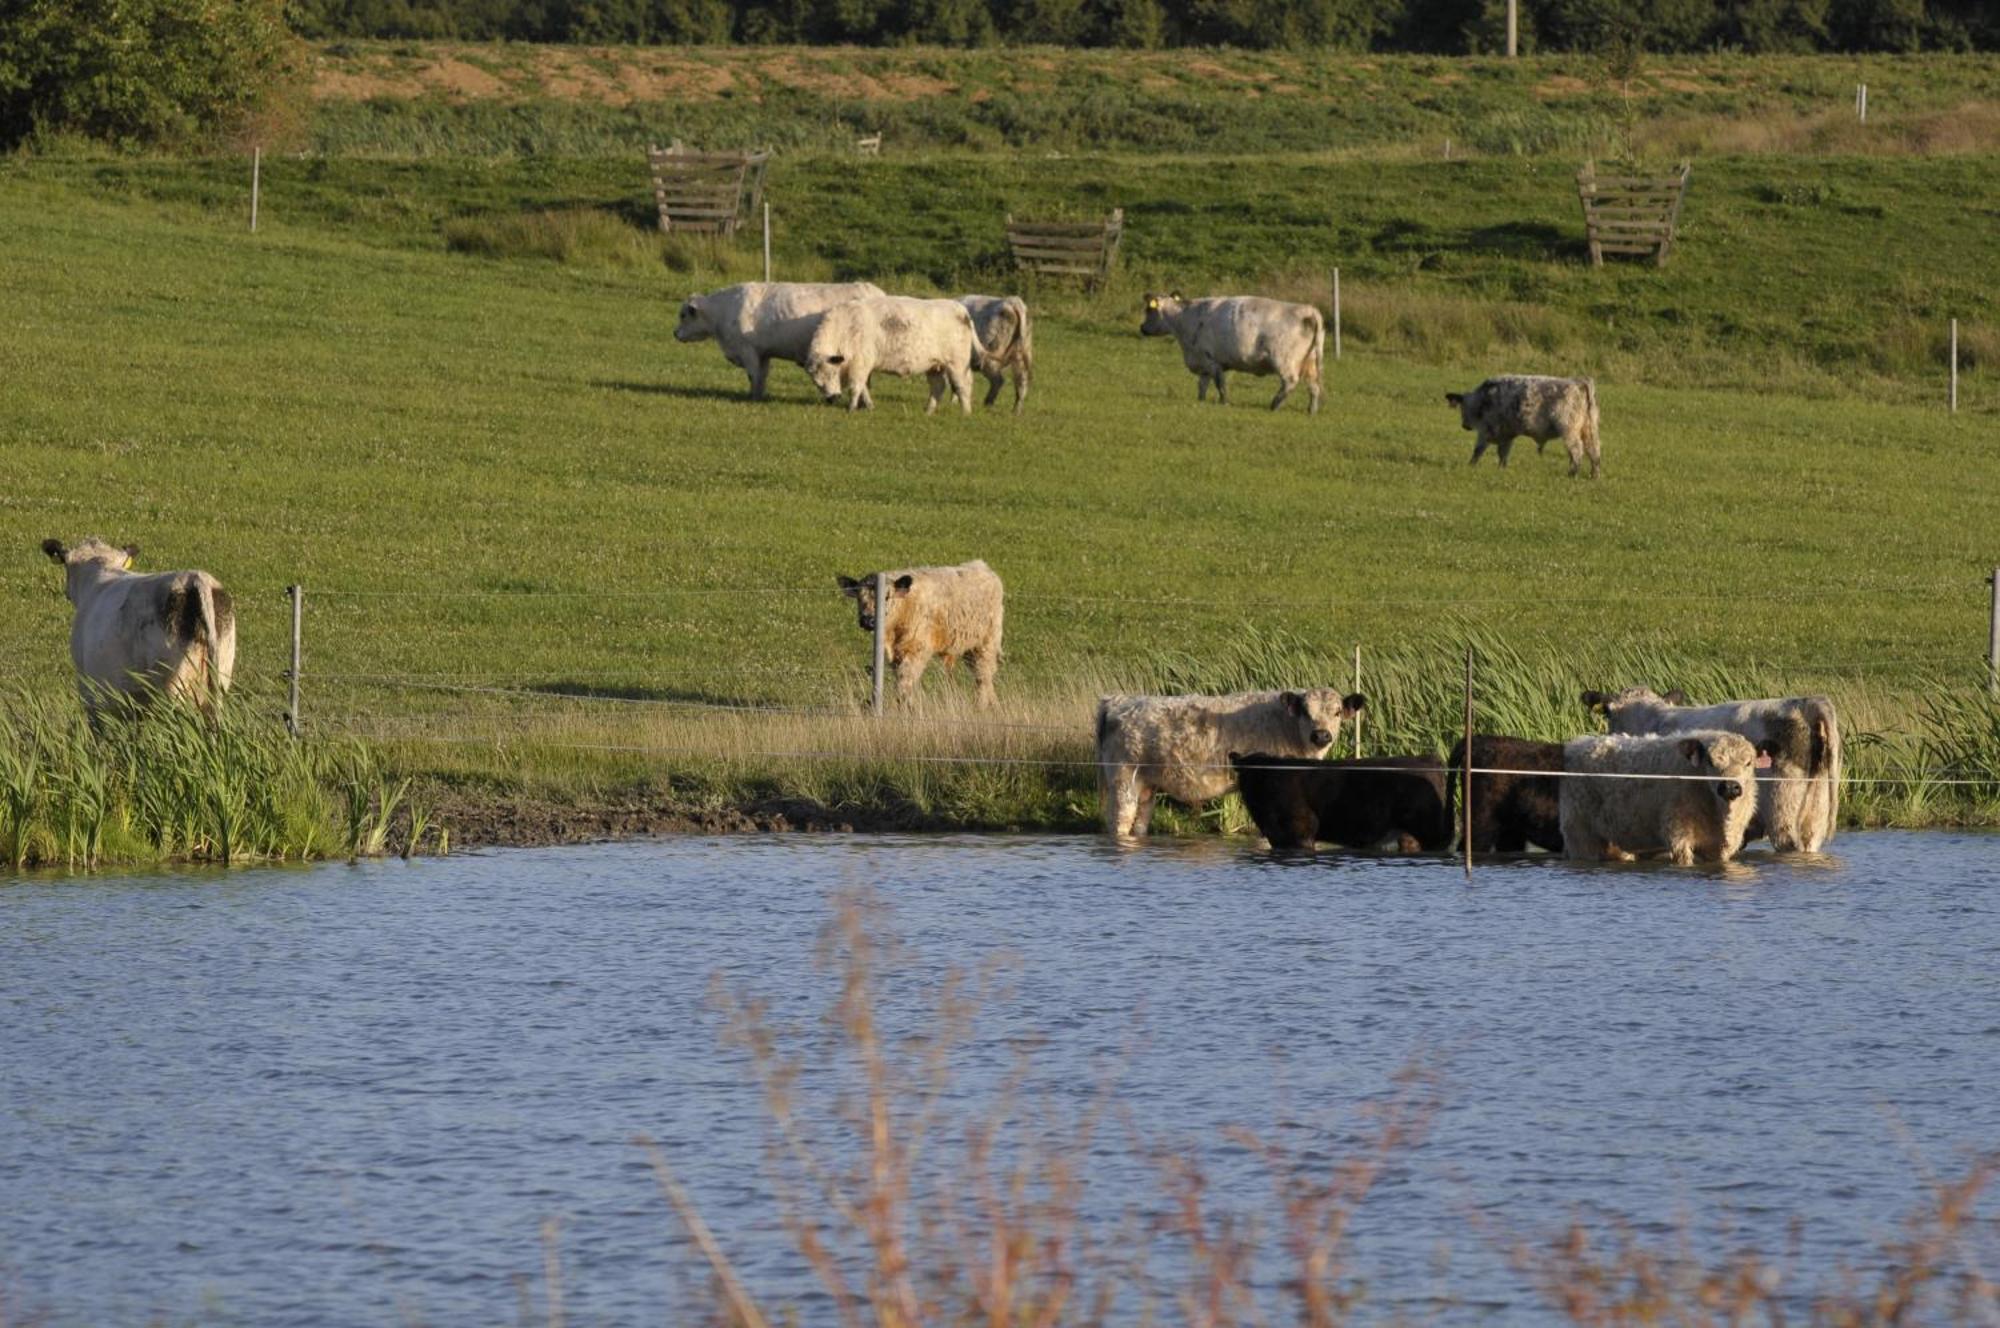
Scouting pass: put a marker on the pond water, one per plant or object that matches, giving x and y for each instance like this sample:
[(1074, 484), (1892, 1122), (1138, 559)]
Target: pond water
[(353, 1094)]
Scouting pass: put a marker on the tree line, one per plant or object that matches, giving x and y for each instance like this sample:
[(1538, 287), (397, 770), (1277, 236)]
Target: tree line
[(1439, 26)]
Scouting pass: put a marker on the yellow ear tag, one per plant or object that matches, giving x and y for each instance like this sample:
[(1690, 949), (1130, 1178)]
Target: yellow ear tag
[(1152, 304)]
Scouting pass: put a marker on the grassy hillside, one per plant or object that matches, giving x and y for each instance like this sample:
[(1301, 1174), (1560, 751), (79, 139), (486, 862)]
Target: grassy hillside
[(505, 475), (454, 99)]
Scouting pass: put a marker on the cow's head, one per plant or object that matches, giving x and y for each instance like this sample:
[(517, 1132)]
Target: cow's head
[(1317, 713), (92, 550), (862, 591), (1468, 407), (1727, 756), (826, 370), (694, 324), (1159, 309)]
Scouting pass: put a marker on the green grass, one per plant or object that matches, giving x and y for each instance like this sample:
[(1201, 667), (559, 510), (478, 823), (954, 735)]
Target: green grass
[(504, 472)]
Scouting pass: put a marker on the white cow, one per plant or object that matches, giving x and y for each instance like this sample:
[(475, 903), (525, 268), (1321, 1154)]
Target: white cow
[(1798, 798), (1180, 745), (945, 613), (137, 635), (1246, 332), (761, 321), (899, 335), (1698, 811), (1002, 324)]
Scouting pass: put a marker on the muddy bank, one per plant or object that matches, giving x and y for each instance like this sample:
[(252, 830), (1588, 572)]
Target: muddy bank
[(489, 820)]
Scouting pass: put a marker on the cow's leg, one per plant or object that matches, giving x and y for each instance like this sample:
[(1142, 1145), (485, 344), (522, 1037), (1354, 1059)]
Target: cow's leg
[(1479, 444), (961, 387), (1201, 385), (1591, 449), (1285, 385), (1502, 447), (1142, 810), (994, 382), (985, 665), (1121, 798), (1021, 376), (1583, 846), (1574, 446), (936, 379), (759, 369), (1221, 388), (910, 672)]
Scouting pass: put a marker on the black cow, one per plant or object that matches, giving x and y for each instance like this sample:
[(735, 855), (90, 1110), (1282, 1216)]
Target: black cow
[(1297, 801), (1511, 811)]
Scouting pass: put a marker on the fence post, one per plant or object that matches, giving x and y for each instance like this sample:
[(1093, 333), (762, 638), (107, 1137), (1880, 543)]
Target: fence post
[(1993, 637), (1513, 29), (1336, 313), (1357, 690), (881, 617), (297, 595), (256, 180), (1954, 366), (767, 242), (1465, 772)]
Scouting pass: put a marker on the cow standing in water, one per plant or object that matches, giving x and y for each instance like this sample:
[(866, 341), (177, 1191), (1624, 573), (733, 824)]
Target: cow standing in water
[(143, 634)]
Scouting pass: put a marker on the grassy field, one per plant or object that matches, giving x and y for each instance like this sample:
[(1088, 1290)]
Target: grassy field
[(444, 397)]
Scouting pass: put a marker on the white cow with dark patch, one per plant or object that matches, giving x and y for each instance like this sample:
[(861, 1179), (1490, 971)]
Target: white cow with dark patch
[(1514, 406), (761, 321), (1798, 796), (1247, 333), (1695, 808), (1180, 745), (140, 635), (947, 613), (1003, 327), (901, 335)]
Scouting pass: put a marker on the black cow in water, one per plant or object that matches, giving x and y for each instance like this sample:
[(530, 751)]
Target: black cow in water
[(1298, 801), (1513, 810)]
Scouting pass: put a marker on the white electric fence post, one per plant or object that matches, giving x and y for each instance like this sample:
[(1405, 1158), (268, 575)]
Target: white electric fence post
[(1357, 690), (297, 595), (767, 242), (256, 180), (1465, 777), (1993, 637), (881, 617), (1954, 366), (1336, 313)]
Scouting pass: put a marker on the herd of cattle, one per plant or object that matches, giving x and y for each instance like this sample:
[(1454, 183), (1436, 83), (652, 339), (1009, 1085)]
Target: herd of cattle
[(843, 333), (1691, 782)]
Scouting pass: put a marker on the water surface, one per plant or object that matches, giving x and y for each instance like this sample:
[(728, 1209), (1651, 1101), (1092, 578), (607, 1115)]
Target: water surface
[(352, 1094)]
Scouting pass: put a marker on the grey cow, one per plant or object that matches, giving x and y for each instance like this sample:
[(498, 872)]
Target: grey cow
[(141, 634), (1512, 406), (1002, 324), (1243, 333)]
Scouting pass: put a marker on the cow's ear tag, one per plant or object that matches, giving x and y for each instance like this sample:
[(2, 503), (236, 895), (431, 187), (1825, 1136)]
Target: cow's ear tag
[(1152, 304)]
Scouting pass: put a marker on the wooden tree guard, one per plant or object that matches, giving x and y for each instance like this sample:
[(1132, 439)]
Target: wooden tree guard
[(706, 192), (1630, 214), (1084, 249)]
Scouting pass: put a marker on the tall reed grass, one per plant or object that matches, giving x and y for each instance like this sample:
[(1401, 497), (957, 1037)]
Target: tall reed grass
[(174, 785)]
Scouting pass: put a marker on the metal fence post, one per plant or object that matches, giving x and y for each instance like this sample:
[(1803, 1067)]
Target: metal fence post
[(1993, 637), (256, 173), (1954, 366), (1465, 776), (767, 242), (1357, 692), (881, 617), (297, 595)]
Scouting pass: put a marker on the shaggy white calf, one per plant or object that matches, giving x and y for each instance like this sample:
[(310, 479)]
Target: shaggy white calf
[(1180, 745), (1688, 819), (948, 613)]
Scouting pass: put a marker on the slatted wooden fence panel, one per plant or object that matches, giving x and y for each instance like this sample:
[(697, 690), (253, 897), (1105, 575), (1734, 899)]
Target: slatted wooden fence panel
[(706, 192), (1629, 214), (1084, 249)]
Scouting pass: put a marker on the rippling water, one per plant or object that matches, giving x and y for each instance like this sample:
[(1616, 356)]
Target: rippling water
[(352, 1094)]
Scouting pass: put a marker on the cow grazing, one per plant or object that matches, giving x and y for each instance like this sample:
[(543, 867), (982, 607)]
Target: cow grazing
[(1179, 745), (1502, 409), (1242, 332), (761, 321), (947, 613), (1698, 814), (899, 335), (1003, 327), (137, 635), (1297, 801), (1513, 810), (1798, 797)]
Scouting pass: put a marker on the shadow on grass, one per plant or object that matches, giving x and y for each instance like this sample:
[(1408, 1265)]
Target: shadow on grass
[(676, 390), (691, 696)]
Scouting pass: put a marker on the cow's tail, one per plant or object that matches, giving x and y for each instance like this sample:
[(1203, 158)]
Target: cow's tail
[(1592, 444), (1315, 357), (1024, 336), (1824, 767), (211, 643)]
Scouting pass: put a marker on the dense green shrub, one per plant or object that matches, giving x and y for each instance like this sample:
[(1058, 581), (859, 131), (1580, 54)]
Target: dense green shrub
[(153, 73)]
